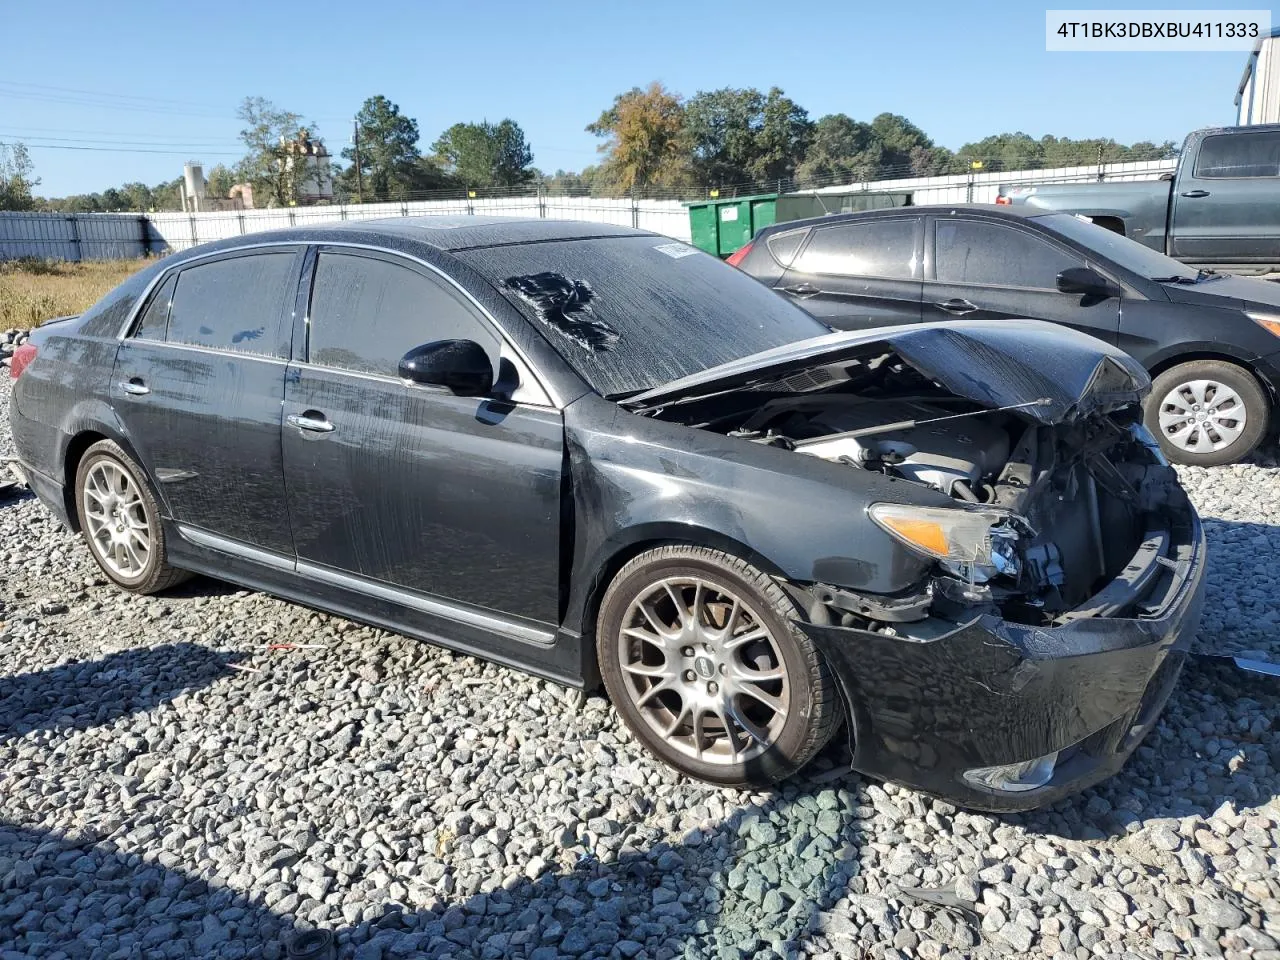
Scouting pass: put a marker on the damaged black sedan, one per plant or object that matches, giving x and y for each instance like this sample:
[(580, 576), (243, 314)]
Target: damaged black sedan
[(603, 457)]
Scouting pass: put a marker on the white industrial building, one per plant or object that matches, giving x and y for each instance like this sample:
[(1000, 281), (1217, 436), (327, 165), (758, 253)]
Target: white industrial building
[(1258, 97)]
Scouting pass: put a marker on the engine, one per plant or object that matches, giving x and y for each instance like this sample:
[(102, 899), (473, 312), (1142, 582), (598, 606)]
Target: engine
[(955, 456)]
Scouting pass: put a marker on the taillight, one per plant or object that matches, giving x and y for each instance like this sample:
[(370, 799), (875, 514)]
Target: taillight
[(1004, 201), (21, 358), (739, 255)]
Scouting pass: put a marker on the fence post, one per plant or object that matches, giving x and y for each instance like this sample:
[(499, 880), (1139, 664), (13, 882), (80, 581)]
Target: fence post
[(293, 221), (635, 210), (192, 220), (542, 202), (75, 236), (240, 218), (145, 235)]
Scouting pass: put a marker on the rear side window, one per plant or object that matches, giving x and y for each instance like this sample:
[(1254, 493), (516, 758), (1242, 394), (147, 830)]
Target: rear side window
[(367, 313), (155, 319), (972, 251), (237, 304), (1239, 156), (869, 248), (785, 246)]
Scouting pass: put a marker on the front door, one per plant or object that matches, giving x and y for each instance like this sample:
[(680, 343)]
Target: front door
[(984, 270), (1227, 208), (198, 387), (859, 274), (448, 497)]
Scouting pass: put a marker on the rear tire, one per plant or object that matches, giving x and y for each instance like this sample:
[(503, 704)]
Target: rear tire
[(700, 657), (1206, 413), (120, 520)]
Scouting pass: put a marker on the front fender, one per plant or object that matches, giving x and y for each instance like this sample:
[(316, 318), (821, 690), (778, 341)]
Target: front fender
[(637, 479)]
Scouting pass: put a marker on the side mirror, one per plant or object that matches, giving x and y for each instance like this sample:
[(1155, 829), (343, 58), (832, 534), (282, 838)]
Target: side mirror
[(461, 366), (1086, 282)]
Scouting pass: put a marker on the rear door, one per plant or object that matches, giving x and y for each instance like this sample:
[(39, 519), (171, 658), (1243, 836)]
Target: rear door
[(198, 386), (401, 484), (1226, 209), (985, 269), (859, 273)]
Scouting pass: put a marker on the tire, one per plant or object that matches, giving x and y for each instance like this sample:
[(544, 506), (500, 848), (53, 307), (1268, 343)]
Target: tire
[(709, 687), (120, 520), (1221, 394)]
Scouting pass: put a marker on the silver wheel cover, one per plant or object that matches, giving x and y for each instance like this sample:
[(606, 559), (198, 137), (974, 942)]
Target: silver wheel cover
[(703, 671), (1202, 416), (115, 520)]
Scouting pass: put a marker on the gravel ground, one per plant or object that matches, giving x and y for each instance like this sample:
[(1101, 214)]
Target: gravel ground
[(171, 788)]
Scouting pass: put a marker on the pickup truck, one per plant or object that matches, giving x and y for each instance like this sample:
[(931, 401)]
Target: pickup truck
[(1219, 209)]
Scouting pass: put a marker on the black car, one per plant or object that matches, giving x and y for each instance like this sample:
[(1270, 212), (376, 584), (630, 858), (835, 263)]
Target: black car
[(1208, 340), (596, 454)]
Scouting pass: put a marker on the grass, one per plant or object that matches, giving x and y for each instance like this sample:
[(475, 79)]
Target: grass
[(33, 291)]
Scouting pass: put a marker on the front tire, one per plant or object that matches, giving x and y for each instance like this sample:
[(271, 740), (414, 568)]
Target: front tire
[(120, 520), (700, 656), (1206, 413)]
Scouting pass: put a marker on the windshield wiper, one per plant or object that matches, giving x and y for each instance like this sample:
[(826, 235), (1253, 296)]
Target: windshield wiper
[(1177, 279)]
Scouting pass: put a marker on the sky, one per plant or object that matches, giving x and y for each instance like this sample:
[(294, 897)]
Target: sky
[(145, 86)]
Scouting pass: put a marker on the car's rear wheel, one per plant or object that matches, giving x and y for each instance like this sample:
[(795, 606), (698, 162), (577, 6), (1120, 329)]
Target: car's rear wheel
[(120, 520), (1207, 412), (701, 658)]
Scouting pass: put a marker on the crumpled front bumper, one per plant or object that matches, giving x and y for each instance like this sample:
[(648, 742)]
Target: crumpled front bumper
[(991, 692)]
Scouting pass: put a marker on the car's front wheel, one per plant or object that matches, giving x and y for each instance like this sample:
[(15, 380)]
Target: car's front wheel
[(120, 520), (1207, 412), (701, 658)]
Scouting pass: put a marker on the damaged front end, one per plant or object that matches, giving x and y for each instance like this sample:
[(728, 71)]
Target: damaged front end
[(1060, 585)]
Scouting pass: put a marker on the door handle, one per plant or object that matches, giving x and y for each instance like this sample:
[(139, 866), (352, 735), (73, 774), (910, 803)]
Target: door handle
[(1196, 194), (957, 306), (135, 387), (803, 290), (312, 420)]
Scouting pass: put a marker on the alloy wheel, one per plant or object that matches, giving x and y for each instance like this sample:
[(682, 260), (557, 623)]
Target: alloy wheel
[(1202, 416), (703, 670), (116, 520)]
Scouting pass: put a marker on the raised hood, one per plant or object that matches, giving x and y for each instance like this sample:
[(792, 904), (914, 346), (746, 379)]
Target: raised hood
[(996, 363)]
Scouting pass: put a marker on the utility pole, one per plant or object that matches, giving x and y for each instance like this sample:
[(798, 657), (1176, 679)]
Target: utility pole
[(355, 125)]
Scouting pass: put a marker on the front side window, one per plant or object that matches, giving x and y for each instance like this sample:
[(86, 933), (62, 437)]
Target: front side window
[(367, 313), (1239, 156), (236, 304), (973, 251), (870, 248)]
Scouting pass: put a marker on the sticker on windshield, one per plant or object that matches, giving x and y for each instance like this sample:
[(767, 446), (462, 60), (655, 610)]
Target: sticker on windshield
[(676, 250)]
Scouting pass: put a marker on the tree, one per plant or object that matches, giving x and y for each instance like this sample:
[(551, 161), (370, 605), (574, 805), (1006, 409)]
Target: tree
[(840, 148), (645, 142), (17, 177), (780, 142), (720, 127), (389, 156), (267, 131), (219, 181), (485, 154)]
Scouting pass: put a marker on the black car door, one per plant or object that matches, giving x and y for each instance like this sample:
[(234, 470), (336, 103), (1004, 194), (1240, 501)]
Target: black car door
[(198, 386), (859, 273), (393, 483), (984, 269)]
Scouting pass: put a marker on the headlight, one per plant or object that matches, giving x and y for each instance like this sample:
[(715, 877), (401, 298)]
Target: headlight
[(976, 544), (1268, 321)]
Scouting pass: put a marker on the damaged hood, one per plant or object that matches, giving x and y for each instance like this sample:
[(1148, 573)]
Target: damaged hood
[(996, 363)]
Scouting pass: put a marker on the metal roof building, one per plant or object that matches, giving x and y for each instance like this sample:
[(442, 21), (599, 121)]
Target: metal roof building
[(1258, 96)]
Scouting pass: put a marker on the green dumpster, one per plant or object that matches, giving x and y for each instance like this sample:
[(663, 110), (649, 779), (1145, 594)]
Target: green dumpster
[(722, 225)]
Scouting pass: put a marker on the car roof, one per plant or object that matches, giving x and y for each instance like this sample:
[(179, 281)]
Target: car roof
[(994, 210), (447, 233)]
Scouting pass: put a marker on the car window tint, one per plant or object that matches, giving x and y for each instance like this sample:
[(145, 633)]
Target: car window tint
[(970, 251), (1239, 156), (783, 246), (235, 304), (367, 313), (870, 248), (156, 317)]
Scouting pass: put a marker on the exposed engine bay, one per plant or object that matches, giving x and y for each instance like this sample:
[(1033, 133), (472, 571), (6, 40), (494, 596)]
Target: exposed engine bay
[(1057, 520)]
